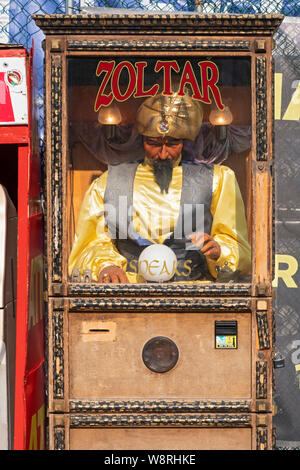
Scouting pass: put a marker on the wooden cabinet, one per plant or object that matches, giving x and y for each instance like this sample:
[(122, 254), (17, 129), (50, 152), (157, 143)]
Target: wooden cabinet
[(159, 365)]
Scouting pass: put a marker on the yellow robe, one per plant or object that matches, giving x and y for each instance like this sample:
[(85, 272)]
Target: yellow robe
[(154, 218)]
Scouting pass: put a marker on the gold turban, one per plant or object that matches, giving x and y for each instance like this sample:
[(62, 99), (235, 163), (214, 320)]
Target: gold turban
[(175, 116)]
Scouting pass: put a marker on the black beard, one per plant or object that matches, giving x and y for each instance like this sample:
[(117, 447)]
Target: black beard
[(163, 171)]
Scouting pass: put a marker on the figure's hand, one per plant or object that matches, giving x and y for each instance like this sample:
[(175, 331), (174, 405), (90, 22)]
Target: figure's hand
[(113, 274), (207, 245)]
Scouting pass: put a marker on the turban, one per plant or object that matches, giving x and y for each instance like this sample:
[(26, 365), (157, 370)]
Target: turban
[(175, 116)]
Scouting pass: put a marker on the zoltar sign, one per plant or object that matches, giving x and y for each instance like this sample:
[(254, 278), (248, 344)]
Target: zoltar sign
[(203, 82)]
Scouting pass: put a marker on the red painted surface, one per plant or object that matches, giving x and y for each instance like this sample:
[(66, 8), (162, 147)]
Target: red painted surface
[(12, 51), (20, 429), (29, 419), (14, 135)]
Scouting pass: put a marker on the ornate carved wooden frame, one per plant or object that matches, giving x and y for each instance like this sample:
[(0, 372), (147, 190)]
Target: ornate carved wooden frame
[(239, 35)]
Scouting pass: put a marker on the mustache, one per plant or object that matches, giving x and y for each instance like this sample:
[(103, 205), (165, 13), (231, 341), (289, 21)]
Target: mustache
[(163, 172), (159, 162)]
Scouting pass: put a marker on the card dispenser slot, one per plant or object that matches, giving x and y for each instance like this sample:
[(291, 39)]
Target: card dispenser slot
[(226, 334)]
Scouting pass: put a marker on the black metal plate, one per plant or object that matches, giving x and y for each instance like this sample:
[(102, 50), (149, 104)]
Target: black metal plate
[(160, 354)]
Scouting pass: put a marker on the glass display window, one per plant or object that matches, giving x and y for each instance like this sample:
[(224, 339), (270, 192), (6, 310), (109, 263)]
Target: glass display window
[(159, 154)]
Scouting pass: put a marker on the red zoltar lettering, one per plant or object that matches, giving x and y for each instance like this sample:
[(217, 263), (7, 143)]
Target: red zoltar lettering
[(188, 77), (131, 81), (140, 92), (210, 83), (167, 66), (204, 87), (102, 99)]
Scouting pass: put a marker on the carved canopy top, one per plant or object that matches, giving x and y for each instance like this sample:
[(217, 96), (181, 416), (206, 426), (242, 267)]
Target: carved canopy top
[(152, 23)]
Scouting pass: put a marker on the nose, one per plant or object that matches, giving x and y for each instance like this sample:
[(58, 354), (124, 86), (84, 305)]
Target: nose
[(164, 154)]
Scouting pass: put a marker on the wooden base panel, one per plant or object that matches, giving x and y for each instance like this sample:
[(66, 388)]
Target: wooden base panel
[(160, 432)]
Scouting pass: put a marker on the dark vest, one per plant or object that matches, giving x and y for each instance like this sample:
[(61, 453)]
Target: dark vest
[(197, 180)]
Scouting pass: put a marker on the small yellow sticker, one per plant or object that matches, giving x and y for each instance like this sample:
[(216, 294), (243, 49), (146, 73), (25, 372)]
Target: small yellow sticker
[(226, 342)]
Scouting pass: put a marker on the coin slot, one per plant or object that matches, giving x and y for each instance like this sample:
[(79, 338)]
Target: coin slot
[(97, 330)]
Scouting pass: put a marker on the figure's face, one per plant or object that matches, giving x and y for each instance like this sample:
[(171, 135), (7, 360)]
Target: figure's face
[(164, 148)]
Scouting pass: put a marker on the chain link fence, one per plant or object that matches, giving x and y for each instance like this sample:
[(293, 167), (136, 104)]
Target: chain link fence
[(16, 25)]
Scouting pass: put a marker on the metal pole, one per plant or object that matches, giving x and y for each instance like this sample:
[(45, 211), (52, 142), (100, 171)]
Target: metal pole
[(69, 7), (198, 6)]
